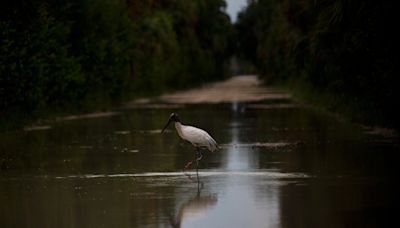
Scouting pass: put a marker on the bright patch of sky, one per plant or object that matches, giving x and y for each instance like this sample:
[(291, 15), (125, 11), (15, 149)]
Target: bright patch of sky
[(234, 7)]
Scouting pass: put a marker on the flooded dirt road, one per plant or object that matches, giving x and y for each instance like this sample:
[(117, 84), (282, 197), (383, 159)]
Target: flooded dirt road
[(281, 164)]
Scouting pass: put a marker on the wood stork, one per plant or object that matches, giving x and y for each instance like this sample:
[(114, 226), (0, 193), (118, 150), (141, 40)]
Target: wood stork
[(199, 138)]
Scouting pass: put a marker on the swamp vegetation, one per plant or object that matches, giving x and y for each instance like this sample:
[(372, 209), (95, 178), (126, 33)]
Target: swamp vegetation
[(82, 52), (81, 55), (338, 54)]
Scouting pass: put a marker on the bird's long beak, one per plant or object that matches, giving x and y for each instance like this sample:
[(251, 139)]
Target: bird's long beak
[(169, 121)]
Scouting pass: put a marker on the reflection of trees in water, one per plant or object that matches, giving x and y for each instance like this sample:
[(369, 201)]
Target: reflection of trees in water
[(196, 206)]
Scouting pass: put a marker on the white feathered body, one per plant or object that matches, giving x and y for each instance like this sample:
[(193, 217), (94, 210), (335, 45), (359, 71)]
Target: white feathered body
[(196, 136)]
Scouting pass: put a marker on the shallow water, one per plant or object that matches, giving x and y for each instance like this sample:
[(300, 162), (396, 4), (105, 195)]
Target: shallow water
[(281, 166)]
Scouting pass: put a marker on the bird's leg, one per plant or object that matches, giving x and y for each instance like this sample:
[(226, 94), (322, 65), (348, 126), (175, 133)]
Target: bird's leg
[(199, 156), (199, 153), (188, 165)]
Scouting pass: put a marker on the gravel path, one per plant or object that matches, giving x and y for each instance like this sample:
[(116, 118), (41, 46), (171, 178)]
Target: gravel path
[(239, 88)]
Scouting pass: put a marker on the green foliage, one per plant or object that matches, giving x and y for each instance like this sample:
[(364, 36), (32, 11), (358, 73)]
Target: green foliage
[(35, 63), (337, 47), (56, 53)]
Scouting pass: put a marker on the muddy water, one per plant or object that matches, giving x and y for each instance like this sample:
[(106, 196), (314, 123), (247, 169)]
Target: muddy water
[(280, 165)]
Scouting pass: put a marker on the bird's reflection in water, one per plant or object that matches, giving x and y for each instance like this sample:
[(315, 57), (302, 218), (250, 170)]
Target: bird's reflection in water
[(194, 207)]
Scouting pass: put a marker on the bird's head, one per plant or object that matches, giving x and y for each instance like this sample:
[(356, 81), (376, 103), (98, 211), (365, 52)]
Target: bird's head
[(172, 118)]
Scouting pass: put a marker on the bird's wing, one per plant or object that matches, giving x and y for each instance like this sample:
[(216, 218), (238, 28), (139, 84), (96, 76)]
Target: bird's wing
[(200, 137)]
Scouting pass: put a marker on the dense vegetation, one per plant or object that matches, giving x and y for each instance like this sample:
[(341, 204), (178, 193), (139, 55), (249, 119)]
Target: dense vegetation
[(56, 53), (339, 53)]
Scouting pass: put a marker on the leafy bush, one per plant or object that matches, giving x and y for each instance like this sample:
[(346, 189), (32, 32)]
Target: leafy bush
[(56, 53), (336, 47)]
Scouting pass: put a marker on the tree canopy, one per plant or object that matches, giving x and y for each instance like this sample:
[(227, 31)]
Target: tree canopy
[(59, 52), (338, 49)]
